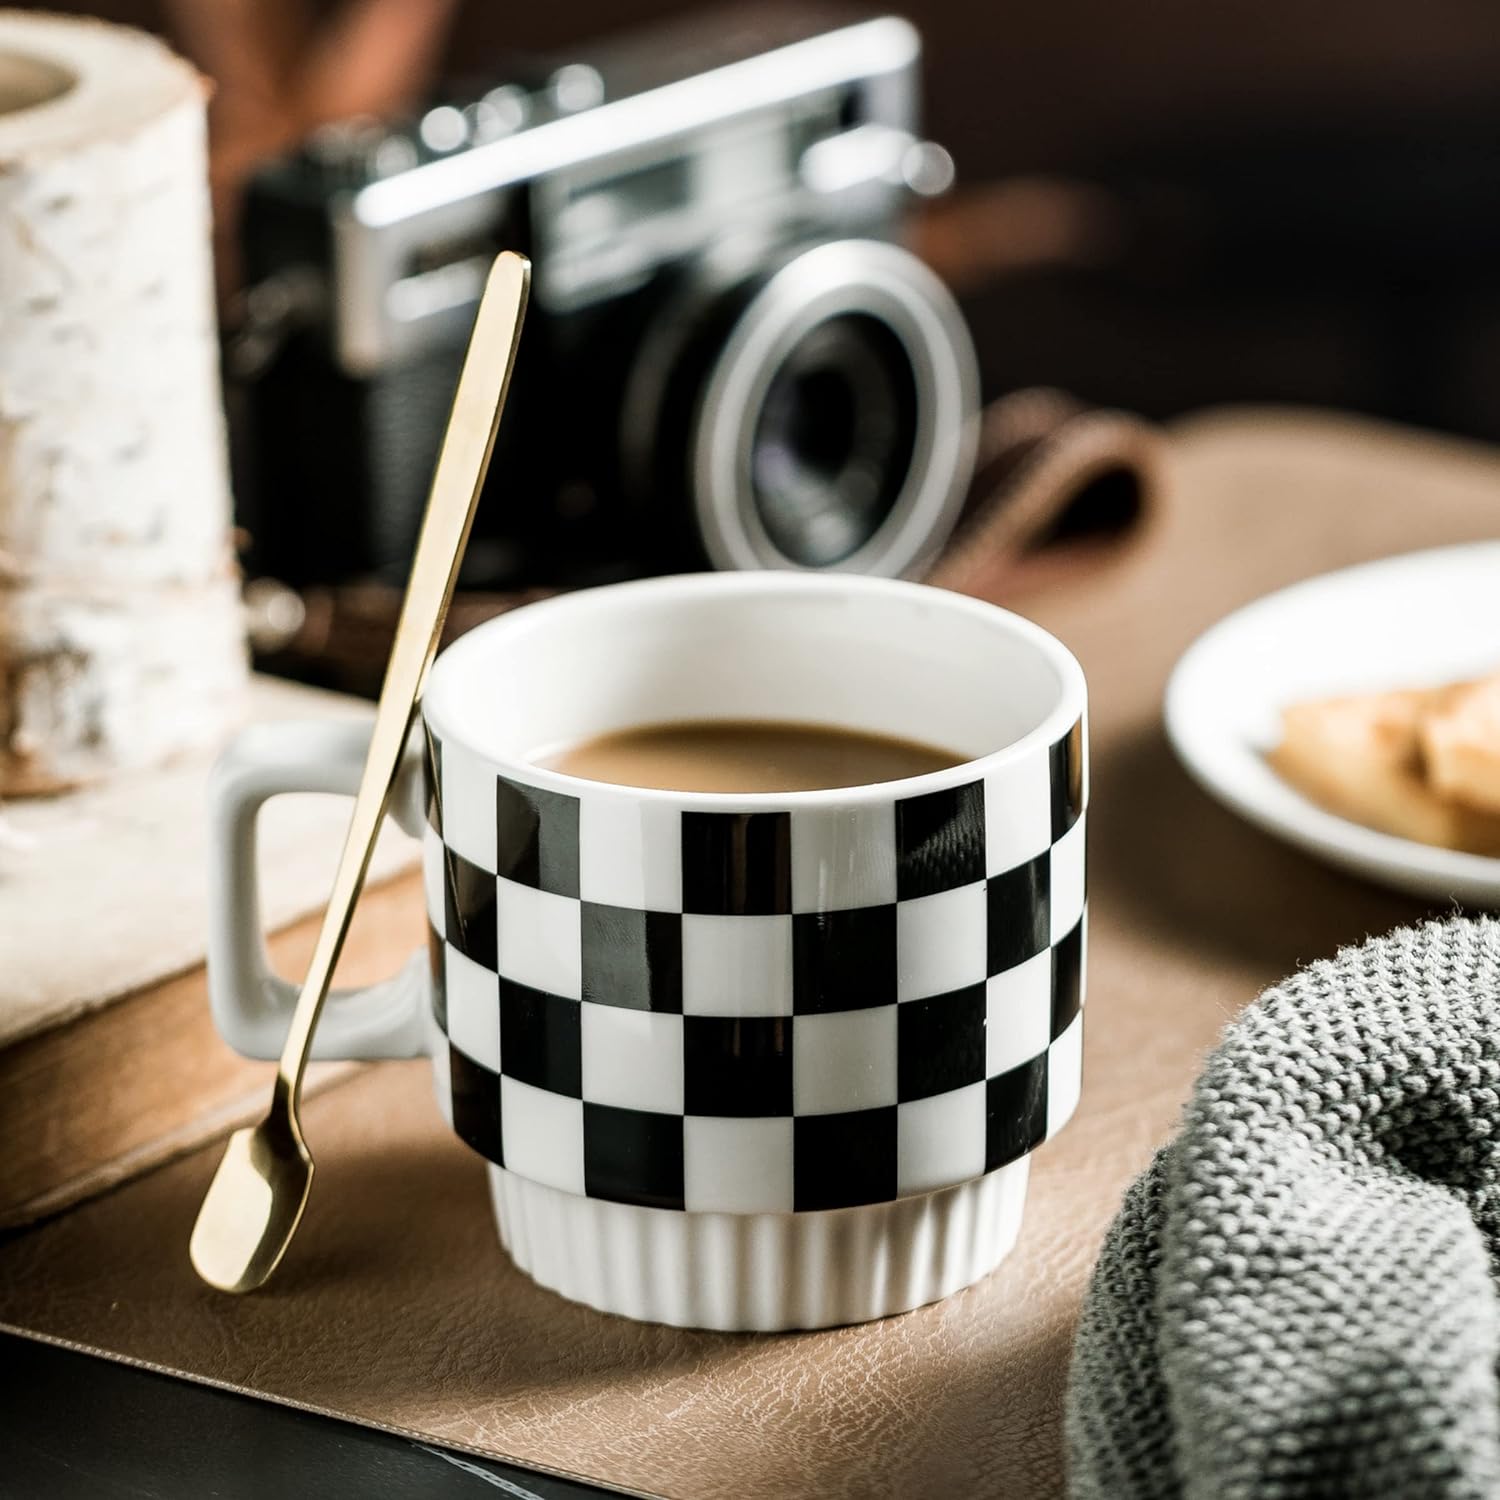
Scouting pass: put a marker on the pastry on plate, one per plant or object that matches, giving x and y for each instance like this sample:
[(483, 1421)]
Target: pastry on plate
[(1461, 745), (1421, 763)]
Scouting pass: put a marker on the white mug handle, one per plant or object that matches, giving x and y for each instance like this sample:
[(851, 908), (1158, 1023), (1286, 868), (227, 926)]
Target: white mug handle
[(252, 1006)]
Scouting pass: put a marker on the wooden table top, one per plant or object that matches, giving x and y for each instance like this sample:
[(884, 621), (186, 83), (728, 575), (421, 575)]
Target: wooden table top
[(397, 1307)]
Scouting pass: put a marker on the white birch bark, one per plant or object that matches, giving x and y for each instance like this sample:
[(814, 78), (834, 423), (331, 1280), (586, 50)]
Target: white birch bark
[(121, 641)]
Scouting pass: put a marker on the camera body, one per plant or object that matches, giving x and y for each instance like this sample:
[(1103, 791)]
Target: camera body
[(728, 359)]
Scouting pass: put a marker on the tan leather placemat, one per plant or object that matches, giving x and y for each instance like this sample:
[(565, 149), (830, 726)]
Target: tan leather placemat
[(396, 1306)]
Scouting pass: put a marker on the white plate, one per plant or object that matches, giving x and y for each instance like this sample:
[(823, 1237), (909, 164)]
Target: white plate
[(1414, 621)]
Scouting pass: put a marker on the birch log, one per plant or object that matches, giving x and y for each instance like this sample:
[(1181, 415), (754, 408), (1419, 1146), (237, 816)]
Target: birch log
[(121, 640)]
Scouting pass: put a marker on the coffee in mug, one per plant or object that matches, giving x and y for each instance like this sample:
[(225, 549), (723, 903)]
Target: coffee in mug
[(747, 755), (743, 1059)]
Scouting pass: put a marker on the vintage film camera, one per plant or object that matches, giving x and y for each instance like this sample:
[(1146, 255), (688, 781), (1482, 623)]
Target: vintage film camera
[(728, 358)]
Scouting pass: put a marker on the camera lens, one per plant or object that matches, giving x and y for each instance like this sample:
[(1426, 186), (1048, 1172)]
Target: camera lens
[(814, 407), (834, 440)]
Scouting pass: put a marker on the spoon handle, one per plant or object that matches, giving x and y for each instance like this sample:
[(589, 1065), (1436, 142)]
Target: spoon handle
[(456, 483)]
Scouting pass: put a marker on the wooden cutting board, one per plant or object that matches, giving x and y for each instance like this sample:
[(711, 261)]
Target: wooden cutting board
[(109, 1061), (103, 890)]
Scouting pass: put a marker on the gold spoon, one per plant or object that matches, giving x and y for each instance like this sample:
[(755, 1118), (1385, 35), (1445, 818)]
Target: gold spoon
[(255, 1202)]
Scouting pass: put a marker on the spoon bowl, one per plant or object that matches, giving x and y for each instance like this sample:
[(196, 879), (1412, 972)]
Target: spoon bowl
[(253, 1205)]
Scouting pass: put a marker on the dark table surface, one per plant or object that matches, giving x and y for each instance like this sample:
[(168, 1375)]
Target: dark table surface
[(75, 1425)]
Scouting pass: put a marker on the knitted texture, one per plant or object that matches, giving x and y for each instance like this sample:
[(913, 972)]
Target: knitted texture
[(1298, 1296)]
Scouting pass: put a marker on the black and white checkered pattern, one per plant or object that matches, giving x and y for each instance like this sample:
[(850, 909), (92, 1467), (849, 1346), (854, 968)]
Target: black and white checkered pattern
[(758, 1012)]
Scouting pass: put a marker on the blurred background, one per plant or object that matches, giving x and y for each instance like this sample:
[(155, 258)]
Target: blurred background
[(1159, 206)]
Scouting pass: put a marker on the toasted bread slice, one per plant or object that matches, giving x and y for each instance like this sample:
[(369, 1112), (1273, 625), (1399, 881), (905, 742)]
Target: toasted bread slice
[(1460, 741), (1361, 757)]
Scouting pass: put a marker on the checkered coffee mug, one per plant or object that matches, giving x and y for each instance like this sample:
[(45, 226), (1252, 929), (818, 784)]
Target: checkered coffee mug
[(748, 1061)]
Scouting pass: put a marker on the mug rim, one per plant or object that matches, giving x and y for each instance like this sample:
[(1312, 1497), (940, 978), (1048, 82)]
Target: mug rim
[(687, 587)]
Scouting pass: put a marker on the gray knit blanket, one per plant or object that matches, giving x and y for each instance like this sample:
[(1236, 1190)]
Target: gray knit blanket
[(1298, 1297)]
